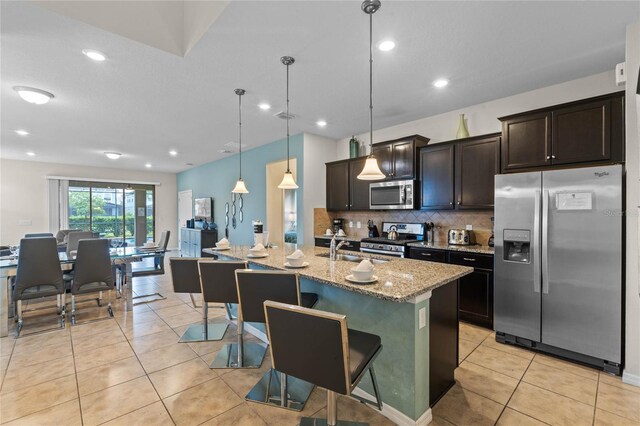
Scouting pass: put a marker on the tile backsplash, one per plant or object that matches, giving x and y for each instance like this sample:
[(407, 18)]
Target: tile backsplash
[(443, 219)]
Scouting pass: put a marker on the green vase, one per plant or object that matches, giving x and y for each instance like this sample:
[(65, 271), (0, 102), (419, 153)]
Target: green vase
[(462, 128), (354, 147)]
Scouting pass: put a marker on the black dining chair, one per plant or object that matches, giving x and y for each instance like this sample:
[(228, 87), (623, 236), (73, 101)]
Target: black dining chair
[(93, 273), (38, 275), (318, 347)]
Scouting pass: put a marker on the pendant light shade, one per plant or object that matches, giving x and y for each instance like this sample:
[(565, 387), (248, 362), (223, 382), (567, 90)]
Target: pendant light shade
[(288, 182), (371, 170), (240, 187)]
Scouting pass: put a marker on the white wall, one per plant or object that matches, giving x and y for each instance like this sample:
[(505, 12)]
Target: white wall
[(24, 194), (317, 151), (482, 118), (632, 331)]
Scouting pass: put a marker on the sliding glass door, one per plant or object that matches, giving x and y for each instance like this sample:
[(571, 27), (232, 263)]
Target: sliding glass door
[(123, 213)]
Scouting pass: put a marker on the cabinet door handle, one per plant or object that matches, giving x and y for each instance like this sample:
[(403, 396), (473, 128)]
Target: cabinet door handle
[(553, 157), (469, 259), (458, 202), (425, 254), (548, 157)]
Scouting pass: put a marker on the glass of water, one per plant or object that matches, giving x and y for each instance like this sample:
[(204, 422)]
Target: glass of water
[(14, 250)]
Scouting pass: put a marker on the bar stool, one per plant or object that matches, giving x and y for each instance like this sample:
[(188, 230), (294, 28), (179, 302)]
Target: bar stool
[(254, 288), (185, 277), (218, 285), (324, 352)]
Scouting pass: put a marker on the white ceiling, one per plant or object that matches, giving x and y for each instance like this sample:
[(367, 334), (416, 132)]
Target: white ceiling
[(145, 101)]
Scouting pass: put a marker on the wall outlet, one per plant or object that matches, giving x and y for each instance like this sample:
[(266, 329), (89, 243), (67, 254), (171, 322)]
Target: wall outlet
[(358, 224), (24, 222), (469, 227), (350, 224), (422, 317)]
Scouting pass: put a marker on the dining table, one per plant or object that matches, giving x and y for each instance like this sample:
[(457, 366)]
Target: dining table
[(123, 257)]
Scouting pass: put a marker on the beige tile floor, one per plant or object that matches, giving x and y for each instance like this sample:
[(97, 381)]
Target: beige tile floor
[(131, 370)]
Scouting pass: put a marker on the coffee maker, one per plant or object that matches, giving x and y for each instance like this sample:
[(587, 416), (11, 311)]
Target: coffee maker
[(337, 225)]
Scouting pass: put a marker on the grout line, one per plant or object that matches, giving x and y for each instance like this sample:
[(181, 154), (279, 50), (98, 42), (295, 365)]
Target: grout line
[(514, 392), (75, 369)]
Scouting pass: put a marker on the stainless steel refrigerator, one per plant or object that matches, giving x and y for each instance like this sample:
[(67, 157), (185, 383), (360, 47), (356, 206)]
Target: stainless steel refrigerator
[(559, 261)]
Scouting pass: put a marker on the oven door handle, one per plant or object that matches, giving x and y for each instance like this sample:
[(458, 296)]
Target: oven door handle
[(386, 253)]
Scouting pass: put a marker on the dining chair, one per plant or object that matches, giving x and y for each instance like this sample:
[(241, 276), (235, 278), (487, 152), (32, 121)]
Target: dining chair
[(93, 273), (39, 235), (75, 237), (39, 275)]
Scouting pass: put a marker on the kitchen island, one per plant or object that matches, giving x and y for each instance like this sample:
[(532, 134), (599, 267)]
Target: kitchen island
[(412, 307)]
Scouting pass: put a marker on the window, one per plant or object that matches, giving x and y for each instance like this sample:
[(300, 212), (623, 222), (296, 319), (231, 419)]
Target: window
[(123, 213)]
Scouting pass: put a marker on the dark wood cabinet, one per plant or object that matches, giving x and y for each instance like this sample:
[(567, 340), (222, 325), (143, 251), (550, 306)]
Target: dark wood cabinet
[(397, 158), (384, 155), (358, 189), (338, 185), (437, 177), (589, 131), (477, 162)]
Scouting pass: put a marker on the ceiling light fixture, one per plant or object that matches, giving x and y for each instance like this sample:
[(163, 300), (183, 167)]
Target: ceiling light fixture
[(112, 155), (94, 54), (148, 165), (240, 187), (321, 123), (440, 83), (173, 153), (31, 153), (371, 170), (33, 95), (288, 182), (22, 132), (386, 45), (264, 106)]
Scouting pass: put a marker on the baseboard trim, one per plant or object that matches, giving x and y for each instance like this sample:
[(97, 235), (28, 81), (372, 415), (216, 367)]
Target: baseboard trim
[(631, 379), (395, 415)]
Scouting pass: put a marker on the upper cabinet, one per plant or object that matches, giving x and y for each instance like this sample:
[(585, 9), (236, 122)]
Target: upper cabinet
[(459, 174), (338, 185), (586, 131), (358, 189), (397, 158)]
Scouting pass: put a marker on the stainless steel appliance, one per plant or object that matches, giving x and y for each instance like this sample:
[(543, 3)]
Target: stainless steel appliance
[(461, 237), (558, 263), (406, 233), (394, 195)]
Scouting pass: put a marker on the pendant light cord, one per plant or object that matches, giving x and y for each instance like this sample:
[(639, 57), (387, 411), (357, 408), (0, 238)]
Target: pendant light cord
[(288, 170), (240, 130), (370, 84)]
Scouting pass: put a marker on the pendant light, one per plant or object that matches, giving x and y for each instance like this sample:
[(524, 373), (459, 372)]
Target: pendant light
[(287, 181), (371, 170), (240, 186)]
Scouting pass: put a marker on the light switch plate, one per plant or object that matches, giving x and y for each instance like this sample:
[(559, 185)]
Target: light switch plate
[(350, 224), (469, 227), (358, 224), (422, 317)]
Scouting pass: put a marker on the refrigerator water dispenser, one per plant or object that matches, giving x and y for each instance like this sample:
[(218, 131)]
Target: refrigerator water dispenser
[(517, 245)]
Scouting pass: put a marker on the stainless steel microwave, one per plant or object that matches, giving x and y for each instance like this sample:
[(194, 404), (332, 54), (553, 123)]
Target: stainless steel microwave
[(393, 195)]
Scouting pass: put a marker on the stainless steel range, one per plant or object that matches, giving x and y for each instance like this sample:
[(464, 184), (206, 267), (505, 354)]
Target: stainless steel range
[(394, 240)]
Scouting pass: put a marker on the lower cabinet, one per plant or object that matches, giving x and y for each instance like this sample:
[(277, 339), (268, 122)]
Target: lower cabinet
[(192, 241), (475, 291)]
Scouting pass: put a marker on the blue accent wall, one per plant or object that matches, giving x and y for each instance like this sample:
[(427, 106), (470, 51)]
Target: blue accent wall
[(217, 179)]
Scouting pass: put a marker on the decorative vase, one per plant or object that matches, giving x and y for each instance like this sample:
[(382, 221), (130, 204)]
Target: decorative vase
[(462, 128), (354, 147), (363, 149)]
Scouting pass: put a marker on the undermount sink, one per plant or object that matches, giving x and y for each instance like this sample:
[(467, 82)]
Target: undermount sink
[(353, 258)]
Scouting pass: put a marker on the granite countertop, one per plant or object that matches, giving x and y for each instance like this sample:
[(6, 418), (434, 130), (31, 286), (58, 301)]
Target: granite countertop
[(399, 280), (469, 249)]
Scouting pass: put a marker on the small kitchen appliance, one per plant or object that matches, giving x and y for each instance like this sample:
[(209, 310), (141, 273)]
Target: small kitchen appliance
[(430, 228), (337, 225), (393, 195), (373, 229), (461, 237), (406, 233), (258, 230)]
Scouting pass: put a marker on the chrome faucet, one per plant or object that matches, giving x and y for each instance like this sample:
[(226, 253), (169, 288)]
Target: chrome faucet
[(333, 248)]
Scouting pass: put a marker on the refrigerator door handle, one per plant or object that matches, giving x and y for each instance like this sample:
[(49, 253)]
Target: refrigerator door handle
[(536, 243), (545, 240)]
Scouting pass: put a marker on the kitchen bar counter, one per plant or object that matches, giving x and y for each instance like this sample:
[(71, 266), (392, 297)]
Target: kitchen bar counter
[(399, 280), (443, 246)]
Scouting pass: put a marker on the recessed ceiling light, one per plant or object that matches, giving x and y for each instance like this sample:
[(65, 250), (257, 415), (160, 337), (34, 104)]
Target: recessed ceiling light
[(94, 54), (22, 132), (386, 45), (441, 82), (264, 106), (31, 153), (173, 152), (33, 95), (148, 165), (112, 155), (321, 123)]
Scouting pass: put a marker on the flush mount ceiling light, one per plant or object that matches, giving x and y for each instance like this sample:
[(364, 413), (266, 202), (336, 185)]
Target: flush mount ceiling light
[(112, 155), (288, 182), (440, 83), (94, 54), (371, 170), (31, 153), (264, 106), (173, 153), (386, 45), (33, 95), (148, 165), (321, 123), (240, 187), (22, 132)]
